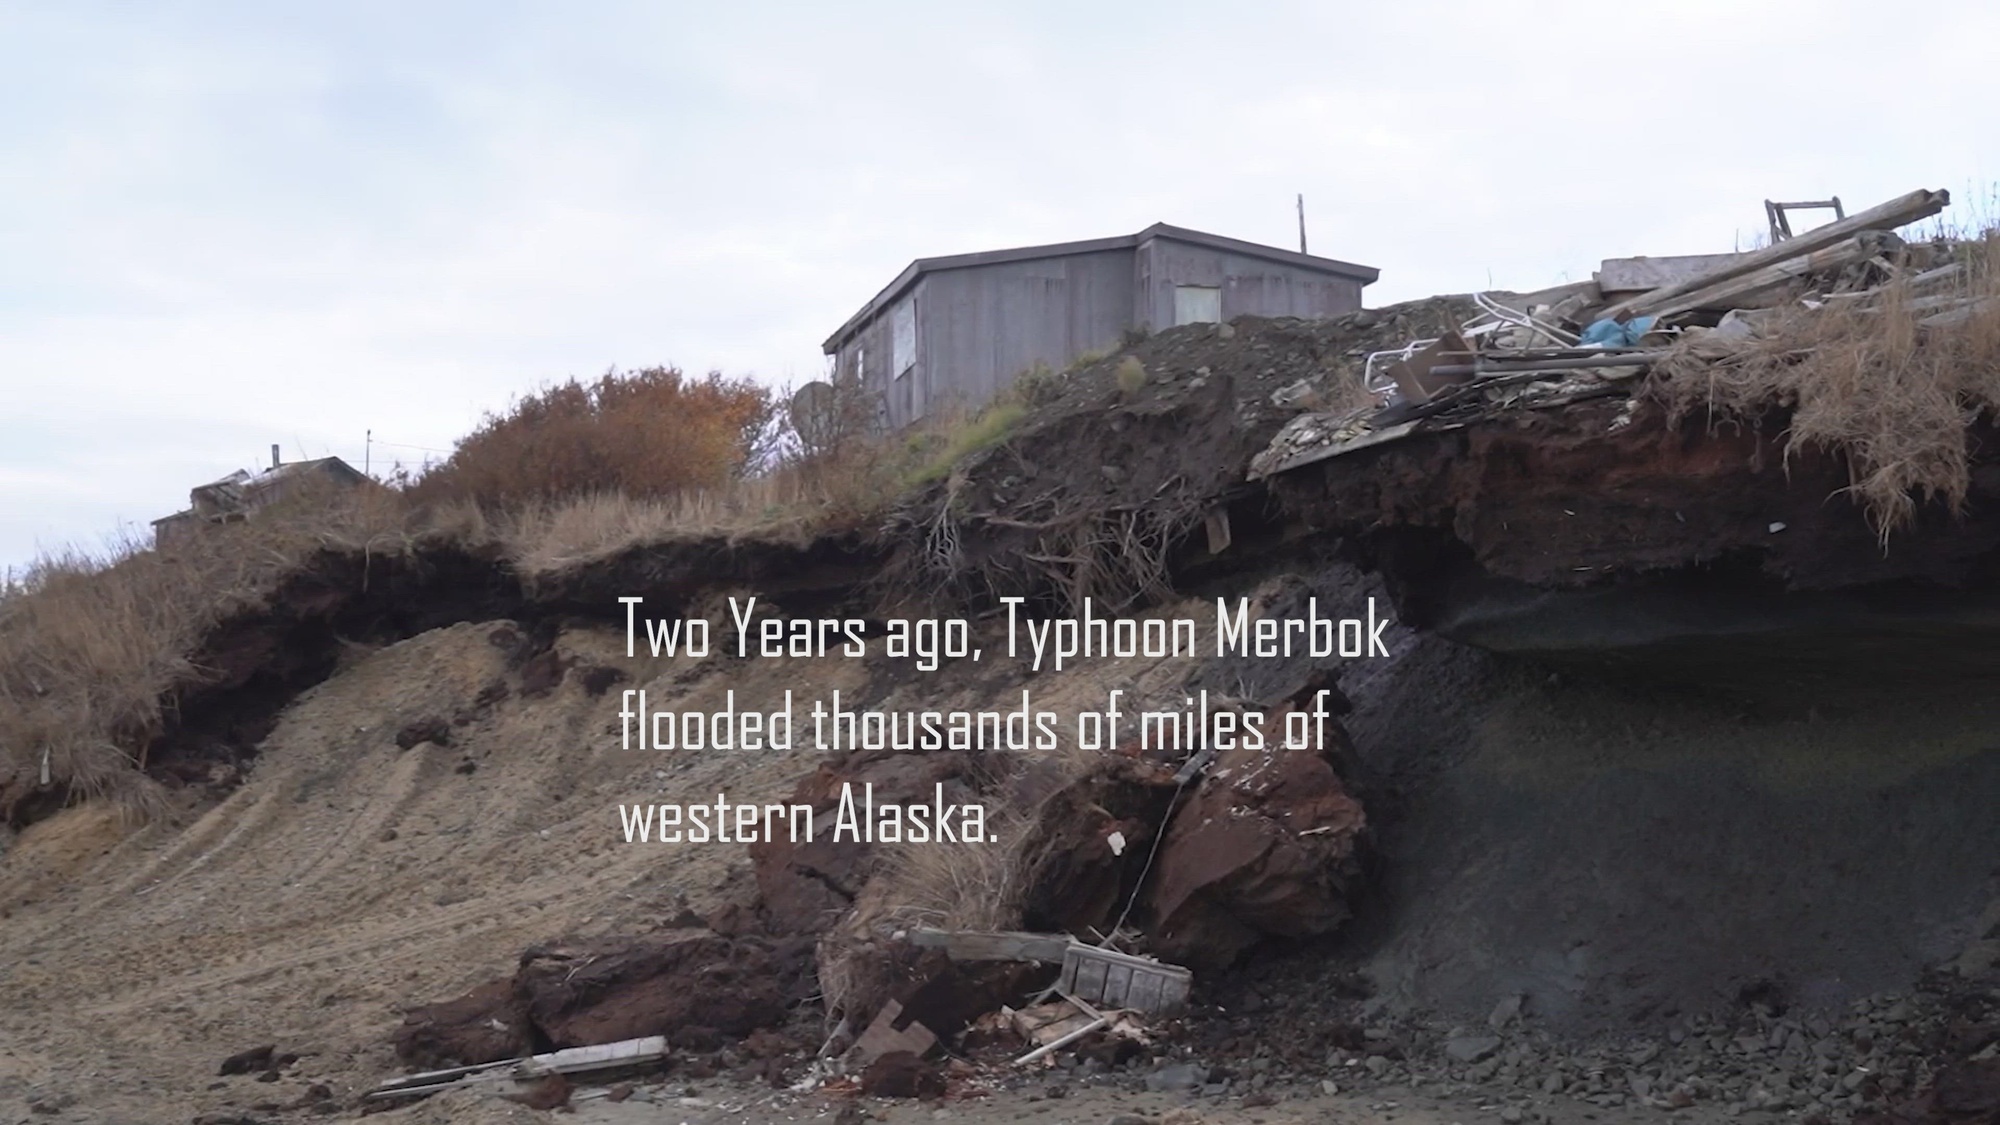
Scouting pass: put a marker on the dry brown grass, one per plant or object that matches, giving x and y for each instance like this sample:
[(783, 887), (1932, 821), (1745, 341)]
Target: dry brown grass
[(95, 647), (92, 646), (1866, 380), (848, 487), (970, 887)]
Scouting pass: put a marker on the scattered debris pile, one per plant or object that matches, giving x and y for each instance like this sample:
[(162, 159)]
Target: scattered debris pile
[(1184, 857), (1576, 471), (1551, 348), (1170, 421)]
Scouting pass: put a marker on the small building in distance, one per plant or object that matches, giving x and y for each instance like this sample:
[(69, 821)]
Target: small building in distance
[(241, 493), (962, 328)]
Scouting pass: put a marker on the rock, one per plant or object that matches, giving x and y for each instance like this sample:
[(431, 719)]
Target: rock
[(1176, 1078), (244, 1062), (900, 1074), (1981, 959), (429, 729), (1131, 1119), (1969, 1091), (1471, 1048), (1329, 1087), (1291, 394), (1553, 1084), (1506, 1012), (1512, 1115), (1268, 844), (1376, 1065)]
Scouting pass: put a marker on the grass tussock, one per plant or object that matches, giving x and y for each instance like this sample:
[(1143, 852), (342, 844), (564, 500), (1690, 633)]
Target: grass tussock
[(1130, 375), (979, 887), (1886, 383), (935, 450), (94, 645)]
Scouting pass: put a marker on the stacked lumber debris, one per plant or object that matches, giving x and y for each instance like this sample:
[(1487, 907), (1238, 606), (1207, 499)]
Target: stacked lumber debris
[(1592, 339), (1098, 990)]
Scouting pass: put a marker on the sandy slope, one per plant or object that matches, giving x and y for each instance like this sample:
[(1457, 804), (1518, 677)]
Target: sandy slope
[(347, 877)]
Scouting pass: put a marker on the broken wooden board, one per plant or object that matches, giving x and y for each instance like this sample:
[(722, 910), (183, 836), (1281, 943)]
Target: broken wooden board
[(883, 1037), (570, 1060), (1623, 277), (1740, 290), (1120, 980), (1313, 454), (1903, 210), (968, 945), (1216, 524), (1414, 376)]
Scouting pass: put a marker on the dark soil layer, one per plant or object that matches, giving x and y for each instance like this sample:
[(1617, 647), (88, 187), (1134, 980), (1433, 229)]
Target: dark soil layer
[(1557, 533), (253, 665), (1623, 852)]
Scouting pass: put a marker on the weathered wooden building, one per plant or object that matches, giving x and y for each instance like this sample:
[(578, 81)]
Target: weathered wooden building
[(241, 494), (962, 328)]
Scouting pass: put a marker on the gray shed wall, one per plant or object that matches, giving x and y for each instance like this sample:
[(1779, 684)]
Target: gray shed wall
[(978, 329), (1250, 286), (980, 326)]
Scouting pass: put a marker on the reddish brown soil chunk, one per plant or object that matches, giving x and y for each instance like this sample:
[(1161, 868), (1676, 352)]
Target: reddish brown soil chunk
[(612, 990), (900, 1074), (1267, 846), (484, 1025), (697, 988), (805, 886)]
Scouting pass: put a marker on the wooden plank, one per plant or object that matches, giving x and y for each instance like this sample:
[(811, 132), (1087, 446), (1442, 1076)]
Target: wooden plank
[(570, 1060), (1643, 274), (967, 945), (1216, 524), (1735, 291), (883, 1037), (577, 1060), (1900, 211), (1065, 1041)]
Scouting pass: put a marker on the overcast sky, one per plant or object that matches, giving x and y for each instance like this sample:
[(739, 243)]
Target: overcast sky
[(227, 225)]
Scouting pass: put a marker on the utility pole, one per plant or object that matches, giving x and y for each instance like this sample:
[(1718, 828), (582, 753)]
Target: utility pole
[(368, 454), (1302, 222)]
